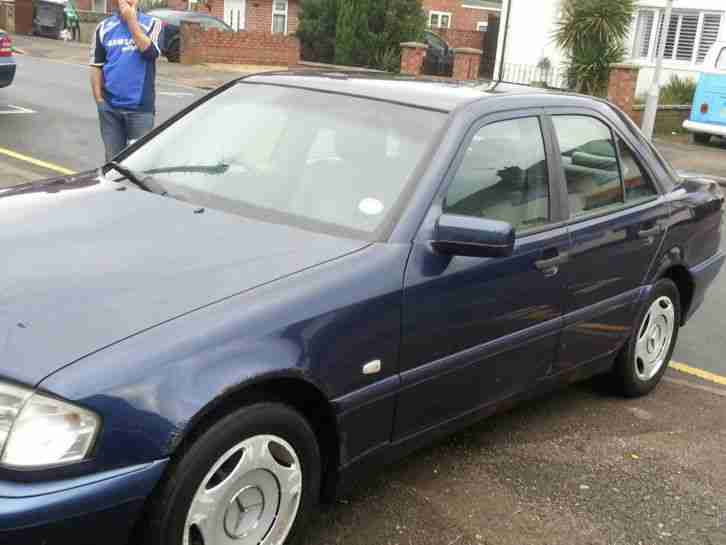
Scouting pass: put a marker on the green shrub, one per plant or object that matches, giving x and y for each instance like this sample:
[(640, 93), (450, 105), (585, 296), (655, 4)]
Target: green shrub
[(678, 92)]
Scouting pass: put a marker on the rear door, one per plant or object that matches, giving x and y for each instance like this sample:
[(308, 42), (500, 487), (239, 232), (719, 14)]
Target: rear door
[(616, 222), (475, 330)]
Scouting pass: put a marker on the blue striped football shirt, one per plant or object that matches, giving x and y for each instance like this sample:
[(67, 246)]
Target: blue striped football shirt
[(128, 74)]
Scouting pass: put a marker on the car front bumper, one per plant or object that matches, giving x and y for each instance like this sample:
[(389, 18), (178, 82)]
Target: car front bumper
[(703, 275), (704, 128), (7, 74), (94, 510)]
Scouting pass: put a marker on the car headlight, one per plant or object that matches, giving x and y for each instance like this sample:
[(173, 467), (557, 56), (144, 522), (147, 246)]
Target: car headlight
[(37, 430)]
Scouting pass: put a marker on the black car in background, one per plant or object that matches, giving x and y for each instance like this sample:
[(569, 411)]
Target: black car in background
[(172, 21), (439, 60)]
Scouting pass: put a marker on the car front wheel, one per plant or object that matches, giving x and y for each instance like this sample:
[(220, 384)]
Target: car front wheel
[(251, 479), (645, 358)]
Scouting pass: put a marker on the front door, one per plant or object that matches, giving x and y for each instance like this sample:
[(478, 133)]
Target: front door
[(616, 225), (476, 331), (235, 12)]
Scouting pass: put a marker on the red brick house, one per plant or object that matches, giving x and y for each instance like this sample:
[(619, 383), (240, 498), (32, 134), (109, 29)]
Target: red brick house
[(273, 16), (461, 14)]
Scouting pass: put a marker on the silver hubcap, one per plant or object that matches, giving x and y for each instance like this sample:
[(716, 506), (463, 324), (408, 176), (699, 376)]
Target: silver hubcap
[(654, 338), (250, 496)]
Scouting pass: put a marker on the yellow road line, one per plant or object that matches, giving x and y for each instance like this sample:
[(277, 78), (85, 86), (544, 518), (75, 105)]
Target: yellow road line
[(700, 373), (37, 162)]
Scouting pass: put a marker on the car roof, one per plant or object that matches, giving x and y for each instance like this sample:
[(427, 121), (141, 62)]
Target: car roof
[(435, 94)]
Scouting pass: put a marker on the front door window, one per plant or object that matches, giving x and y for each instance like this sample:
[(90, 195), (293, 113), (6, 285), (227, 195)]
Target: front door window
[(504, 176)]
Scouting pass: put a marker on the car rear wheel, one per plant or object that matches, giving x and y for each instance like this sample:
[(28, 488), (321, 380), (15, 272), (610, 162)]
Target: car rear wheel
[(645, 358), (251, 479), (173, 54), (701, 138)]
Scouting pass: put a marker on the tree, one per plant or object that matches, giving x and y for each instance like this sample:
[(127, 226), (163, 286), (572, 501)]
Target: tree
[(367, 32), (592, 34), (316, 29), (353, 38)]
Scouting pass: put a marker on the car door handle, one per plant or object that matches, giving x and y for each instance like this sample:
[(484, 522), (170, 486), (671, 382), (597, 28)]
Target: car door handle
[(652, 232), (552, 264)]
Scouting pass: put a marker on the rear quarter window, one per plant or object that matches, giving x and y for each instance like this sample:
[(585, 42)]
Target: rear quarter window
[(721, 60)]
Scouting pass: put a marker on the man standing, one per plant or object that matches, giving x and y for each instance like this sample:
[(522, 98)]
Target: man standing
[(123, 73)]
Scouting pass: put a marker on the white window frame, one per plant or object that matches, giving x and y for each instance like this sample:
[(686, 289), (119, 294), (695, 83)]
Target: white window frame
[(439, 14), (482, 26), (278, 12), (659, 13)]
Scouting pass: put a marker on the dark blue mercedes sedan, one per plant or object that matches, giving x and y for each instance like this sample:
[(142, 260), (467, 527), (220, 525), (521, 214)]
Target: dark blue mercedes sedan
[(305, 276)]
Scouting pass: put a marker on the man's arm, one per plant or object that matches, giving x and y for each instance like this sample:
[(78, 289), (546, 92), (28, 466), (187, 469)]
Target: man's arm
[(97, 83), (128, 14), (98, 59)]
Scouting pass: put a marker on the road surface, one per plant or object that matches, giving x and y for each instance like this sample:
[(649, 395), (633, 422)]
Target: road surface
[(49, 113)]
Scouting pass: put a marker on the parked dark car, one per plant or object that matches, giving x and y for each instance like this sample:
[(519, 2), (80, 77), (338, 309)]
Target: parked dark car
[(49, 18), (208, 335), (172, 21), (7, 62), (439, 59)]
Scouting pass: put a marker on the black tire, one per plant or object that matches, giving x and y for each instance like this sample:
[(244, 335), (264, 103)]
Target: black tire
[(173, 53), (625, 376), (701, 138), (170, 504)]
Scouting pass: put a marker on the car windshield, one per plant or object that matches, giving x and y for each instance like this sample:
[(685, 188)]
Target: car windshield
[(323, 161)]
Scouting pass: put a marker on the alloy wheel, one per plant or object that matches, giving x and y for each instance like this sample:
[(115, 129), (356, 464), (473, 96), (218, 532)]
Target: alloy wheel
[(250, 496), (654, 338)]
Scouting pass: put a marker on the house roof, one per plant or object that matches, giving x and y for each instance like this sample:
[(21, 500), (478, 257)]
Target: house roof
[(485, 4)]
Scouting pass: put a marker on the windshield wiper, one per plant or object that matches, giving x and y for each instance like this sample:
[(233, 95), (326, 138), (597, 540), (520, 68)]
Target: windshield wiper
[(220, 168), (129, 174)]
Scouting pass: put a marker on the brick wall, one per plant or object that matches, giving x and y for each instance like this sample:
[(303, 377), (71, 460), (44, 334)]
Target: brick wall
[(258, 14), (245, 47), (462, 38), (412, 58), (461, 18), (622, 85), (182, 5), (23, 16), (466, 63)]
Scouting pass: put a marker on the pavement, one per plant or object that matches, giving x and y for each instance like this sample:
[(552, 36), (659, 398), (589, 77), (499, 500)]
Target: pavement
[(575, 468), (578, 467), (693, 158)]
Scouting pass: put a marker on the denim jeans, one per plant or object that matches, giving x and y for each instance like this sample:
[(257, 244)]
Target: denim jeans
[(119, 128)]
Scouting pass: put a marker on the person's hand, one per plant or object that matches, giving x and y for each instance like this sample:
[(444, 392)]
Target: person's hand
[(127, 9)]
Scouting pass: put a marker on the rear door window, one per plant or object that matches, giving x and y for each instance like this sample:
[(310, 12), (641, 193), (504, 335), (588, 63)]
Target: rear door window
[(721, 61), (638, 185), (590, 162)]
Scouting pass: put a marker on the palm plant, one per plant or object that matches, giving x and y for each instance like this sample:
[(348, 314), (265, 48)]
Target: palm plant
[(592, 33)]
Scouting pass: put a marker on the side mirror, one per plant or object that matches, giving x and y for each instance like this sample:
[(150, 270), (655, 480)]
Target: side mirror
[(473, 237)]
